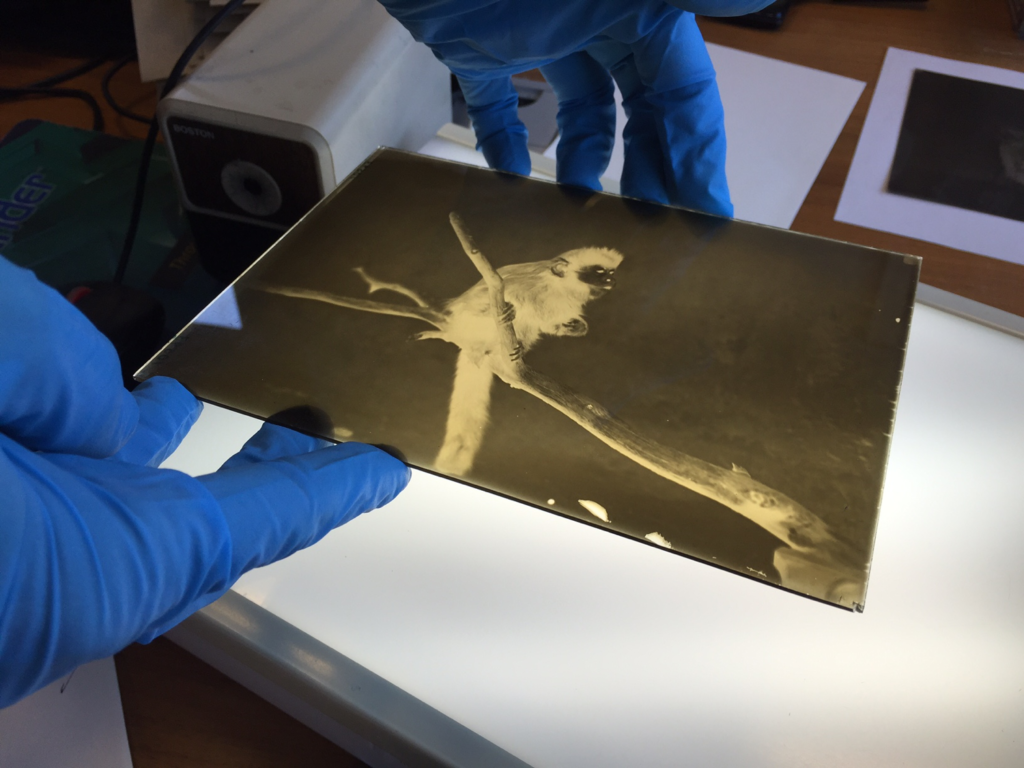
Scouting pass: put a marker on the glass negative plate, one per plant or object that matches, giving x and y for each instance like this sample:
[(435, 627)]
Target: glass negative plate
[(720, 389)]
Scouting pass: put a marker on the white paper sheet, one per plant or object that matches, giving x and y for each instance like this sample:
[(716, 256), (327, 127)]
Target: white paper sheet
[(448, 149), (453, 142), (781, 121), (866, 202), (75, 721)]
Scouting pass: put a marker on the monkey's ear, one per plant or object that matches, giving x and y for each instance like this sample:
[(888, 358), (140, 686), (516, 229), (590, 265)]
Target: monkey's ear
[(559, 266)]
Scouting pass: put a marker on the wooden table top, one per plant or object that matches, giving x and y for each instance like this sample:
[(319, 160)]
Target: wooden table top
[(179, 711)]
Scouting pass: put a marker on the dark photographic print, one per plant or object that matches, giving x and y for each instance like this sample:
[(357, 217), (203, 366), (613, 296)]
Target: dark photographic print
[(962, 144), (718, 389), (1017, 13)]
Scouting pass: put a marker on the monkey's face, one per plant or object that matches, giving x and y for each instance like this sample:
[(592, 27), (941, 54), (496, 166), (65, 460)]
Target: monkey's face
[(598, 277), (594, 267)]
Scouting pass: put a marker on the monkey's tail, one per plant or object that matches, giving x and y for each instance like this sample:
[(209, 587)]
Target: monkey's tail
[(468, 415)]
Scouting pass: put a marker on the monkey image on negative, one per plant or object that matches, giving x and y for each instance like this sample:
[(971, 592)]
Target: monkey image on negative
[(713, 388), (541, 298), (546, 298)]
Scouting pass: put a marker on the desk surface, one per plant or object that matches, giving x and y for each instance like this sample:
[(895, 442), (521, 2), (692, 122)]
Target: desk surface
[(178, 711)]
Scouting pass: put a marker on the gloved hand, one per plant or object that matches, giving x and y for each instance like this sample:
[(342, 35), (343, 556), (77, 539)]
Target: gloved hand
[(675, 133), (98, 548)]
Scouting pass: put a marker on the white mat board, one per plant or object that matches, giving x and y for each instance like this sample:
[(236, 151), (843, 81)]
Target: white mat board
[(74, 721), (865, 201)]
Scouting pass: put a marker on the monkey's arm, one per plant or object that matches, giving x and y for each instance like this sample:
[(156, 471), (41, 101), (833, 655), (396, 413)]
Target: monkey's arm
[(814, 561)]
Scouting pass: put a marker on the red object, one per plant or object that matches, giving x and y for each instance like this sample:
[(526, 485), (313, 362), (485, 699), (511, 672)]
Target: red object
[(77, 294)]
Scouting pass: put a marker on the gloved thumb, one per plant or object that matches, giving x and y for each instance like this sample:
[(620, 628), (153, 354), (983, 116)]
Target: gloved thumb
[(167, 412), (277, 507)]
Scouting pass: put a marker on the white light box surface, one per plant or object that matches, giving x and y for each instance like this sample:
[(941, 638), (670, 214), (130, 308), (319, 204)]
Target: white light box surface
[(866, 200), (569, 646)]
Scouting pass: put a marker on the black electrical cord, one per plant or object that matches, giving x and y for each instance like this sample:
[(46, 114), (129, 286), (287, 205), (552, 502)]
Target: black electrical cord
[(154, 129), (105, 87), (7, 94), (45, 89), (70, 74)]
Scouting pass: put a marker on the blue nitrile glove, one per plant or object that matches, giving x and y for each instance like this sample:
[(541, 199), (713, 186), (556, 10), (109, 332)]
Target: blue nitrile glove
[(98, 548), (675, 132)]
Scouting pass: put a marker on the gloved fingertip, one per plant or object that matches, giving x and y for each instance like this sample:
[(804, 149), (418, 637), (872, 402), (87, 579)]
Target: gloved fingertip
[(304, 418), (391, 450), (377, 467), (170, 394), (275, 442), (393, 475), (507, 151), (166, 412), (126, 414)]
